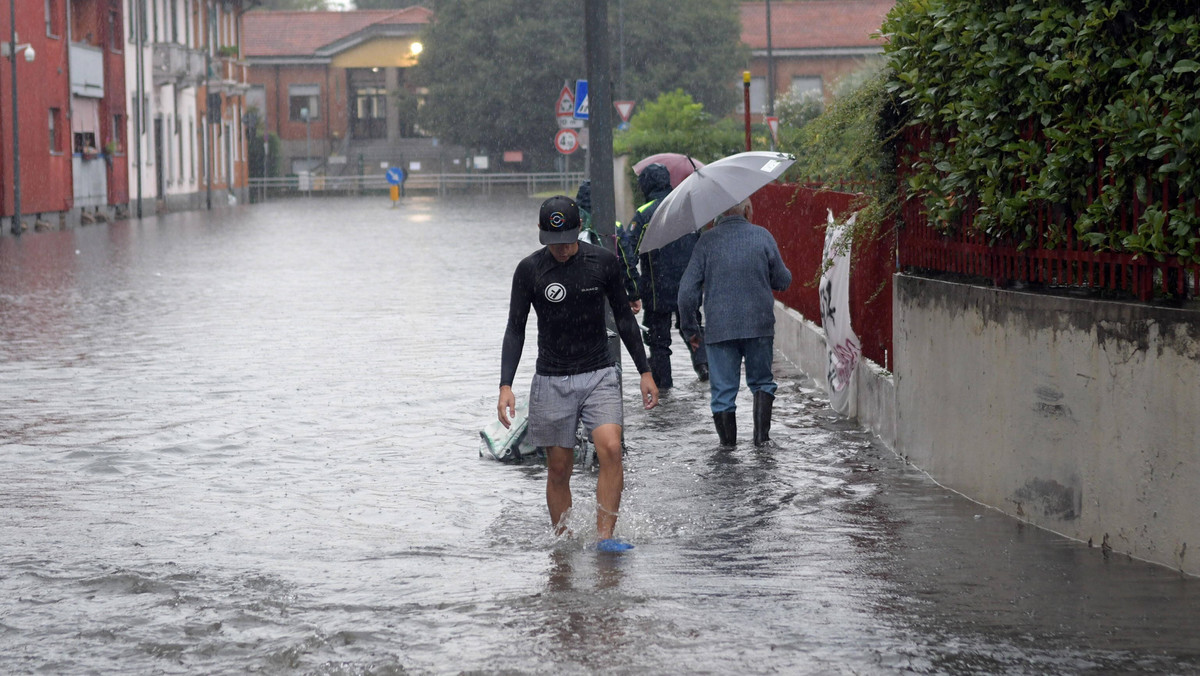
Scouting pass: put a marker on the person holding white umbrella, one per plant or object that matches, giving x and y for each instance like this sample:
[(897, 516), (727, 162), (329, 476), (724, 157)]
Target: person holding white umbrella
[(734, 269)]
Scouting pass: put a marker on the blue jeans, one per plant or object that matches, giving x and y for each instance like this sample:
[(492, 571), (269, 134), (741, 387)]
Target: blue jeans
[(725, 369)]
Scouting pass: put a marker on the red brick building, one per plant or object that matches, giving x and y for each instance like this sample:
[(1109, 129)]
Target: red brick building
[(334, 85), (814, 43), (43, 103)]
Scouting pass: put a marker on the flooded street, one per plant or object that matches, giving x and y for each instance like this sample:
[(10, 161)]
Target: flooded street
[(247, 441)]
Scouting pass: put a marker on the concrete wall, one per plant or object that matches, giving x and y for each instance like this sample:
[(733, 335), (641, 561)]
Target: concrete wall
[(1079, 416), (874, 393)]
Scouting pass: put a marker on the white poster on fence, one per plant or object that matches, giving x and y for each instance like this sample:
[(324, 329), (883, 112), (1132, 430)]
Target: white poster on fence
[(841, 345)]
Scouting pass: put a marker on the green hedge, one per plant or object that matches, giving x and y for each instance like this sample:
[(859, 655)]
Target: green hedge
[(1028, 101)]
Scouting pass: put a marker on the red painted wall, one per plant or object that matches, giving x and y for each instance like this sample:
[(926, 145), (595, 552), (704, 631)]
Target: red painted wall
[(797, 217), (44, 84), (114, 98)]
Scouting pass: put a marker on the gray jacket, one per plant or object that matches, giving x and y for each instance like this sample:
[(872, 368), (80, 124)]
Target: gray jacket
[(733, 270)]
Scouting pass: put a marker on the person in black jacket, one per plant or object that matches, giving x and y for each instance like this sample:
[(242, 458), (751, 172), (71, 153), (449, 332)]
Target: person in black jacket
[(568, 284), (652, 280)]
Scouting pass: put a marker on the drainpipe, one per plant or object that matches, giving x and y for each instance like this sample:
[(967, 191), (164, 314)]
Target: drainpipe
[(140, 21), (16, 133)]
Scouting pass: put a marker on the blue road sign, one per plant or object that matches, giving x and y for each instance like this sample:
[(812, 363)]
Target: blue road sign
[(395, 175), (581, 100)]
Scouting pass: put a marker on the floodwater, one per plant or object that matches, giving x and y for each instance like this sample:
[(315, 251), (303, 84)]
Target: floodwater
[(246, 441)]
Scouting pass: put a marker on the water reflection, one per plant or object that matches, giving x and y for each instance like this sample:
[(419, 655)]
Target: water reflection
[(582, 604), (248, 441)]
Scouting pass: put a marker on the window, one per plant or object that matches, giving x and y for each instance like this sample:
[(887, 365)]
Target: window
[(54, 18), (301, 97), (85, 142), (758, 96), (192, 150), (179, 139), (55, 127), (118, 133), (137, 20), (806, 83), (114, 31), (167, 146), (370, 103)]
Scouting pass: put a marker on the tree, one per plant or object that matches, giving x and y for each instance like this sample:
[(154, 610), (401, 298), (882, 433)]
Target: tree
[(694, 45), (492, 70)]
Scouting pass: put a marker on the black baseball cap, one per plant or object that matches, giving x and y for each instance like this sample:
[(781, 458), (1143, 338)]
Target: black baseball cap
[(558, 221)]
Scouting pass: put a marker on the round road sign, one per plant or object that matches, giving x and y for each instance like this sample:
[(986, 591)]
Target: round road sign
[(566, 141)]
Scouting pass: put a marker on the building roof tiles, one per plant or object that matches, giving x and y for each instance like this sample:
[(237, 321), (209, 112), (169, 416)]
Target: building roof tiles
[(270, 33), (814, 24)]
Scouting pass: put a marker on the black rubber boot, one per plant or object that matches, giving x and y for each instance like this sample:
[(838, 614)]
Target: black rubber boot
[(763, 403), (726, 422)]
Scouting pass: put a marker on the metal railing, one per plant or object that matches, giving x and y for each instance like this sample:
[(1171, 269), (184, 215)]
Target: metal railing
[(1054, 255), (442, 184)]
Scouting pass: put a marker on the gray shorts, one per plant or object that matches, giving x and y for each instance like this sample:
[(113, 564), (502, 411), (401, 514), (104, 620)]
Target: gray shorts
[(558, 403)]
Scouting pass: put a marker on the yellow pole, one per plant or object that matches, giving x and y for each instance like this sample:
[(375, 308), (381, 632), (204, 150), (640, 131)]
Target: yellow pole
[(746, 103)]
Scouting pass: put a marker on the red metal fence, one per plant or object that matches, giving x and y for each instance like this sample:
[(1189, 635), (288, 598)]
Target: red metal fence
[(797, 217), (1067, 264)]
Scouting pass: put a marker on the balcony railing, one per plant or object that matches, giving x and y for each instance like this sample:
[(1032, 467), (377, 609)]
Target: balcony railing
[(176, 64), (231, 76)]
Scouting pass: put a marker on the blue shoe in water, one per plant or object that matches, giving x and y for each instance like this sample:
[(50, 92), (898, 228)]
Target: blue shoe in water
[(611, 545)]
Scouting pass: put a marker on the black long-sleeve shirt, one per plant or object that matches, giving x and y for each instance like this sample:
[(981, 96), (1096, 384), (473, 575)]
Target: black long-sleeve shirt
[(569, 301)]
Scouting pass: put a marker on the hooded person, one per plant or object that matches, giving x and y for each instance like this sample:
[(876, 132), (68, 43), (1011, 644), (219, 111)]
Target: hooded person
[(652, 281)]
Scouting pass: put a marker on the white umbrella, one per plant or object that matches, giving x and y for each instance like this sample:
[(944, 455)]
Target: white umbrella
[(709, 192)]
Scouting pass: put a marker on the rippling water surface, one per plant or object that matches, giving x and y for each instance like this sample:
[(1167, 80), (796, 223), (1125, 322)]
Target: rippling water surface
[(247, 441)]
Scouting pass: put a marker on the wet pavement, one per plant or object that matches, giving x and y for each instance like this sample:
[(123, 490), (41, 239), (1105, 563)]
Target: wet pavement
[(247, 442)]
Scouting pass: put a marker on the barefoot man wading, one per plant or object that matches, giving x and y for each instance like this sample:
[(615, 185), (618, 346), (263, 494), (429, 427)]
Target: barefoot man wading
[(568, 283)]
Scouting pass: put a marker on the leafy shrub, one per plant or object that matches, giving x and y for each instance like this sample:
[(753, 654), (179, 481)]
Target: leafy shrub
[(796, 108), (1083, 107)]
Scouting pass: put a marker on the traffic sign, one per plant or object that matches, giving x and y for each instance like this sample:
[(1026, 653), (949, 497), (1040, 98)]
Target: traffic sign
[(564, 110), (565, 107), (566, 141), (581, 99), (624, 108), (395, 175)]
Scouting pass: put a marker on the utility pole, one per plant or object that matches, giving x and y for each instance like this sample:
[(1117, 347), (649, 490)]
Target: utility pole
[(139, 12), (16, 129), (770, 68), (600, 107), (770, 76), (600, 162), (210, 140), (622, 90)]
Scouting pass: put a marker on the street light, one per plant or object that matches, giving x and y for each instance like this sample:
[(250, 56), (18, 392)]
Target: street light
[(307, 148), (9, 49)]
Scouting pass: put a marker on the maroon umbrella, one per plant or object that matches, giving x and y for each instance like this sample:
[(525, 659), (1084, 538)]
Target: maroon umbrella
[(680, 166)]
